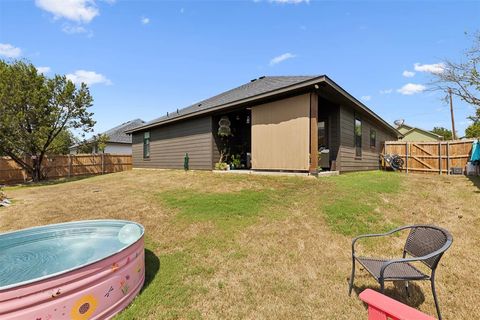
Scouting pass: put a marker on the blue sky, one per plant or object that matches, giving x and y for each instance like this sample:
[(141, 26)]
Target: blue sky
[(144, 58)]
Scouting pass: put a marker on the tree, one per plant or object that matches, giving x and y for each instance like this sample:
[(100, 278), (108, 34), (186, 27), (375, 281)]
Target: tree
[(473, 131), (35, 110), (444, 132), (62, 143), (101, 141), (97, 143), (462, 79)]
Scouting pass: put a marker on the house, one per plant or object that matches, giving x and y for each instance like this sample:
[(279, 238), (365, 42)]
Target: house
[(118, 141), (276, 123), (411, 133)]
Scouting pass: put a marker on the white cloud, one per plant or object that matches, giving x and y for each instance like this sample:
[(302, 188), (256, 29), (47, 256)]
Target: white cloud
[(88, 77), (290, 1), (73, 29), (9, 51), (75, 10), (386, 91), (43, 69), (411, 88), (145, 20), (408, 74), (432, 68), (282, 58), (366, 98)]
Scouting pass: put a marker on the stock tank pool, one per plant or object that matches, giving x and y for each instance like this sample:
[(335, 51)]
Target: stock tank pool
[(78, 270)]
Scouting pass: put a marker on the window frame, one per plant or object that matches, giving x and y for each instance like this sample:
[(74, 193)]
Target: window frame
[(146, 145), (357, 139), (374, 140)]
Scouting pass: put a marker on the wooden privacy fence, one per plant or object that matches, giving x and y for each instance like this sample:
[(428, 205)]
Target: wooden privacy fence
[(431, 157), (60, 166)]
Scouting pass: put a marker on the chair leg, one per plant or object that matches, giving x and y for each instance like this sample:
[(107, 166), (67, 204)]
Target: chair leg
[(382, 286), (432, 281), (406, 289), (352, 277)]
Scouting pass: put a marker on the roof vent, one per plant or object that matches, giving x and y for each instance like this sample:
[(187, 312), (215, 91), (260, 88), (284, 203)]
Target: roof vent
[(199, 104), (167, 113), (262, 77), (253, 80), (177, 110)]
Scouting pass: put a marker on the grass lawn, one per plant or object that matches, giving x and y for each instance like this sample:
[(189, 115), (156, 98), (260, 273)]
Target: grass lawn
[(263, 247)]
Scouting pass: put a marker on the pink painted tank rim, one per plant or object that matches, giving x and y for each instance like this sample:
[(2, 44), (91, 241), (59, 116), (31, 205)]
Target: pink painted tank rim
[(80, 266)]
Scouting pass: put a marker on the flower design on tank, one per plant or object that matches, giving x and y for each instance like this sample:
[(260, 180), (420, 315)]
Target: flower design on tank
[(124, 286), (115, 267), (84, 307)]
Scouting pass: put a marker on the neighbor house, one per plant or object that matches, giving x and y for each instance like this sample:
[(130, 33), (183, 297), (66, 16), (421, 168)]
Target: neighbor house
[(118, 142), (411, 133), (276, 123)]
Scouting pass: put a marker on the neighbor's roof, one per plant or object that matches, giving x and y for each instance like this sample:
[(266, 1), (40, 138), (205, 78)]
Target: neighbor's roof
[(117, 134), (256, 89), (412, 128)]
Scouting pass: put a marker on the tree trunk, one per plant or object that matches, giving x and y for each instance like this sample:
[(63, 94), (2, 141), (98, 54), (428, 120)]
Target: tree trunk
[(37, 168)]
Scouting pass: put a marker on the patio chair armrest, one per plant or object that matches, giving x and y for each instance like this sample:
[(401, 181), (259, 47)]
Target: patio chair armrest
[(377, 235), (413, 259)]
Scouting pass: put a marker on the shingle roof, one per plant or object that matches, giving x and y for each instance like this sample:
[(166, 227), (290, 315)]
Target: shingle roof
[(256, 89), (118, 135), (250, 89)]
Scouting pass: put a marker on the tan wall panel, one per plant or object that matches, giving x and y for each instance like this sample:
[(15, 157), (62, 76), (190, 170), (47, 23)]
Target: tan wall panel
[(281, 134)]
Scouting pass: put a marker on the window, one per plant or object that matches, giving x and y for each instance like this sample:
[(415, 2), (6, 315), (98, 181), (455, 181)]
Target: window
[(146, 145), (373, 138), (358, 137)]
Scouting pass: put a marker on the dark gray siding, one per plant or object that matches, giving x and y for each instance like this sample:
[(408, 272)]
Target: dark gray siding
[(169, 143), (347, 161), (216, 145)]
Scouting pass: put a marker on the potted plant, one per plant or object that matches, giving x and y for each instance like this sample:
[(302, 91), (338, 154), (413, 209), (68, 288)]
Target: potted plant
[(235, 161), (224, 132)]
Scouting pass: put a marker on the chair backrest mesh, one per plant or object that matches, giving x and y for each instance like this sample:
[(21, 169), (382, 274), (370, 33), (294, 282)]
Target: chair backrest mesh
[(425, 240)]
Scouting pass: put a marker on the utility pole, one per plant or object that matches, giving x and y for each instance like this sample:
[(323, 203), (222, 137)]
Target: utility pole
[(454, 135)]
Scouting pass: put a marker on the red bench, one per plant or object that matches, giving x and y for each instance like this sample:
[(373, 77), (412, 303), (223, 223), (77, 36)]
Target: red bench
[(381, 307)]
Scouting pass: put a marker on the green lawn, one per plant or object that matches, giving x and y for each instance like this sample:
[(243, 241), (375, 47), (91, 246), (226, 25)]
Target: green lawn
[(234, 246)]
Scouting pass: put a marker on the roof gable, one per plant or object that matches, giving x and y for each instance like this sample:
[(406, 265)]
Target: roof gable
[(406, 129)]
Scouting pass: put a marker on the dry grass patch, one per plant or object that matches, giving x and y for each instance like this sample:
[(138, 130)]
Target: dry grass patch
[(257, 247)]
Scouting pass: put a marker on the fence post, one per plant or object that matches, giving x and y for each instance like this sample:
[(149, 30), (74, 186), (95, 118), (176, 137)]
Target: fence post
[(440, 157), (69, 165), (103, 163), (385, 153), (406, 156), (448, 157)]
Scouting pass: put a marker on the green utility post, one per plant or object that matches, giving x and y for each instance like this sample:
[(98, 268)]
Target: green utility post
[(185, 161)]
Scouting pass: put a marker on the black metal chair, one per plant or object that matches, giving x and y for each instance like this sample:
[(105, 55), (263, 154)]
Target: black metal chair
[(425, 243)]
